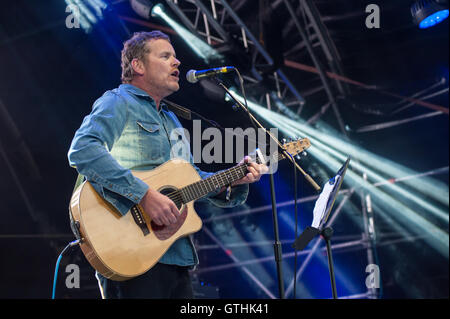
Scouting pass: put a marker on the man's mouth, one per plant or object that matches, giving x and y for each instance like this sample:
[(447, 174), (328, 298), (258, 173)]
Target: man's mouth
[(175, 73)]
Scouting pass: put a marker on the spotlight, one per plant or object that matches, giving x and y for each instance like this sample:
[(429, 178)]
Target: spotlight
[(157, 10), (428, 13), (147, 8)]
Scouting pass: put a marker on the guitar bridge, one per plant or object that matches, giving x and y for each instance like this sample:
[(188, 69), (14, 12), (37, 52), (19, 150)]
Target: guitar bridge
[(139, 219)]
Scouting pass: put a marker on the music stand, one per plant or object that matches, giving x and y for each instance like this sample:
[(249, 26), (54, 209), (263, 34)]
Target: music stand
[(322, 210)]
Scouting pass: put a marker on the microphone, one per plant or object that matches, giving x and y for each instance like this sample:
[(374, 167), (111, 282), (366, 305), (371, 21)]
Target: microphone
[(193, 76)]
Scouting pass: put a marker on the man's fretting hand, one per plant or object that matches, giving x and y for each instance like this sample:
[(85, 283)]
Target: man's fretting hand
[(255, 171)]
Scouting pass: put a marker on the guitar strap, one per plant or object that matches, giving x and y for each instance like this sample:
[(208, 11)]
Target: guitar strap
[(78, 182), (185, 113), (178, 109)]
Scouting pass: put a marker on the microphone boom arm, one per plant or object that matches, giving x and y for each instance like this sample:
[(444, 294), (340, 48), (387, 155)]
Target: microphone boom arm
[(287, 155)]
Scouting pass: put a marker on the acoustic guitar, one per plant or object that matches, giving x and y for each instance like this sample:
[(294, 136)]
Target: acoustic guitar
[(122, 247)]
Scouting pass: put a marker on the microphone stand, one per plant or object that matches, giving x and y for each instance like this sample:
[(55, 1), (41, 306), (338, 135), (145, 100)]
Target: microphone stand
[(277, 242), (280, 146)]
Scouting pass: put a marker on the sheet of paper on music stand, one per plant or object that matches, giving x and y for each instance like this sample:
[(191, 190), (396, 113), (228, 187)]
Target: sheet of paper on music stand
[(323, 202)]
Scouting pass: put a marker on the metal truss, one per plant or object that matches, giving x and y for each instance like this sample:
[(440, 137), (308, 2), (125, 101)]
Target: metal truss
[(217, 22), (368, 240), (220, 26)]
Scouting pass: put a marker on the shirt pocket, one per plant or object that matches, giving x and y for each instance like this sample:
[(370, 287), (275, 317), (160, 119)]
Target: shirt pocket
[(150, 140)]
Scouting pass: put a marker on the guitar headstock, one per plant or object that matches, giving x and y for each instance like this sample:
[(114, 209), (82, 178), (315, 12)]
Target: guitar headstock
[(293, 147), (297, 146)]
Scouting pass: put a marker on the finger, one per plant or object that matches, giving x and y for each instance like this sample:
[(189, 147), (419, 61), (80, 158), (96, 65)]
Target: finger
[(157, 221), (162, 217), (166, 221), (167, 215), (175, 213), (261, 169), (250, 178), (254, 172), (258, 167), (246, 159)]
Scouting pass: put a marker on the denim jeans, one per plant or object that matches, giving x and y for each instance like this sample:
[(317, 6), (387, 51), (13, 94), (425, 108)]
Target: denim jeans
[(162, 281)]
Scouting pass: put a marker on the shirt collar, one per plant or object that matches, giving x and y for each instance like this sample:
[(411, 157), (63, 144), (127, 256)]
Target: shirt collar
[(137, 91)]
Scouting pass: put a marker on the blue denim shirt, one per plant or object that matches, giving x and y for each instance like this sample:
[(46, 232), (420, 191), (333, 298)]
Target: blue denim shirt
[(126, 132)]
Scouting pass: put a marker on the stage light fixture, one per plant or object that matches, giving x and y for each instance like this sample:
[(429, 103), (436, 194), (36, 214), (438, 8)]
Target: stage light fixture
[(428, 13), (143, 8), (157, 9), (153, 9)]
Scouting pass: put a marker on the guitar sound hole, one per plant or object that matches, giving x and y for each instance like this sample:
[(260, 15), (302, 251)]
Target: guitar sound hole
[(173, 194)]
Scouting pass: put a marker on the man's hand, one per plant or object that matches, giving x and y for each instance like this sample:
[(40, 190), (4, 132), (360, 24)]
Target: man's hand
[(160, 208), (254, 172)]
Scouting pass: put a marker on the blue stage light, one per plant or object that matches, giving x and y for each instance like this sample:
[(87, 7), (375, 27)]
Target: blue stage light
[(434, 19), (428, 13)]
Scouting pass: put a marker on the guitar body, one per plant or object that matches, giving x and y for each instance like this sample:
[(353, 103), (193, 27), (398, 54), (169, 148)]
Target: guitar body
[(115, 245)]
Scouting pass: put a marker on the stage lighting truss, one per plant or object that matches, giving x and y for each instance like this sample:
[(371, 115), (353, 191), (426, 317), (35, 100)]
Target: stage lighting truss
[(221, 27), (218, 24)]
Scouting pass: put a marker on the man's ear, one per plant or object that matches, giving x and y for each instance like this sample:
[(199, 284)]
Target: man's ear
[(138, 66)]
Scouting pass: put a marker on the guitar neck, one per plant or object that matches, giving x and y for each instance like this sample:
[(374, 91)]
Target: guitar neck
[(202, 188)]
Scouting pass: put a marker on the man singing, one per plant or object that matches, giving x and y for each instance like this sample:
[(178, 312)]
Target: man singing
[(129, 129)]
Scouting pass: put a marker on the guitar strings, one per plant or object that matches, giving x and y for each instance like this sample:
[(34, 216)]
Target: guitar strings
[(178, 196)]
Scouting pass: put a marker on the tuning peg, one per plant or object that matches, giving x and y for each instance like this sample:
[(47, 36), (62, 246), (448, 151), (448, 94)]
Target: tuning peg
[(284, 141), (304, 153), (297, 157)]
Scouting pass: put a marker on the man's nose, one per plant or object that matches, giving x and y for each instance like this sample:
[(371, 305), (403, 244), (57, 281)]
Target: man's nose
[(176, 62)]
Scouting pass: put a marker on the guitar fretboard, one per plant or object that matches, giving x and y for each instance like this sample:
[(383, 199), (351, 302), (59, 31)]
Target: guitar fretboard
[(215, 182)]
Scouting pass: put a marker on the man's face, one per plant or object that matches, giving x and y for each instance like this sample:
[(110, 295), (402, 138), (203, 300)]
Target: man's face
[(161, 73)]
